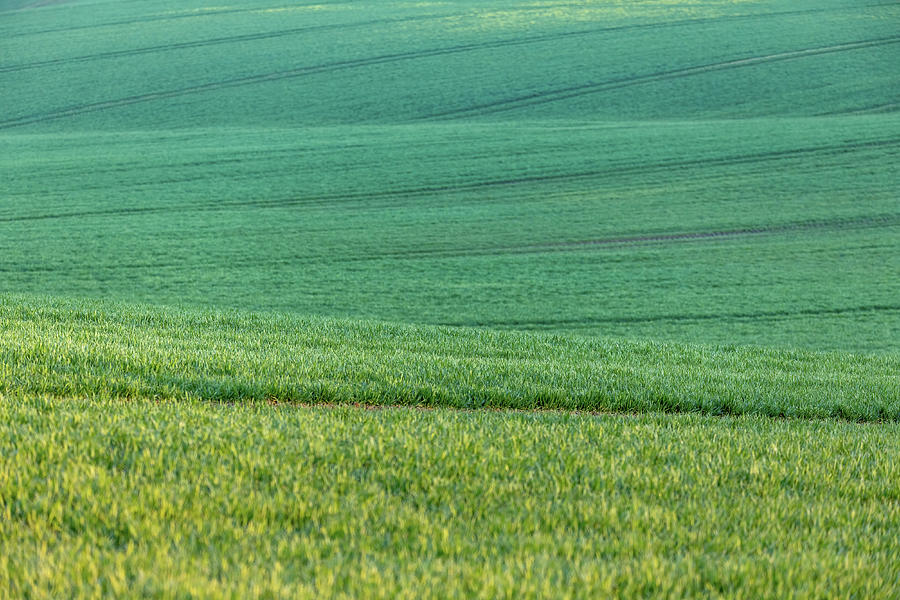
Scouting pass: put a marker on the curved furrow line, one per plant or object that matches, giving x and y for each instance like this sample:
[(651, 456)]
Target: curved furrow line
[(266, 77), (330, 199), (867, 110), (226, 11), (412, 192), (212, 86), (493, 107), (148, 19), (204, 43), (612, 170), (125, 211), (774, 314), (872, 222), (376, 22), (567, 93)]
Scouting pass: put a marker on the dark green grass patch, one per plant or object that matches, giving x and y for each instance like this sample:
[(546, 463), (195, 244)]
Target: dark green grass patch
[(163, 64), (110, 350), (781, 232), (707, 171), (174, 500)]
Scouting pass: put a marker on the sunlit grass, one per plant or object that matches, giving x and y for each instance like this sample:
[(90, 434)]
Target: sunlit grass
[(104, 350), (173, 500)]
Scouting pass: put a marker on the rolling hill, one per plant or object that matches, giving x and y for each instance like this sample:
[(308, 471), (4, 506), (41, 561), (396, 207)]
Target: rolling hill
[(449, 299), (713, 172)]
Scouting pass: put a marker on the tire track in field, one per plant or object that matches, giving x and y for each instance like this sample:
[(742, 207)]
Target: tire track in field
[(272, 76), (613, 243), (842, 224), (531, 180), (650, 239), (226, 11), (774, 314), (111, 212), (325, 200), (568, 93), (397, 21), (609, 171), (42, 3), (32, 6), (147, 19), (867, 110), (204, 43), (512, 104), (401, 195)]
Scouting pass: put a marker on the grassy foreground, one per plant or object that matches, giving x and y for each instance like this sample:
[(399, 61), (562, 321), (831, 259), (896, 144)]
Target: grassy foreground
[(67, 348), (197, 500)]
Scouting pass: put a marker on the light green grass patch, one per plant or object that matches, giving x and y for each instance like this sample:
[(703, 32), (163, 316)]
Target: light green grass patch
[(174, 500), (95, 349)]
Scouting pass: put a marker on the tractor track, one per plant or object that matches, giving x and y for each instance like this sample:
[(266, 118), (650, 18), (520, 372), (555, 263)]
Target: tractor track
[(611, 243), (141, 21), (375, 22), (746, 316), (265, 78), (866, 110), (235, 39), (652, 239), (554, 178), (229, 11), (568, 93), (609, 171), (479, 110)]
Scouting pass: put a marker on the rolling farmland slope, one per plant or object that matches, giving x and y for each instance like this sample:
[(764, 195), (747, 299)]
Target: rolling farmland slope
[(235, 237), (104, 350), (152, 64), (163, 453), (715, 172)]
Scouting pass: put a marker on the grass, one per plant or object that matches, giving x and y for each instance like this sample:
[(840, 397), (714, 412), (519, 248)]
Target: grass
[(159, 65), (107, 350), (757, 237), (175, 500), (668, 230), (569, 168)]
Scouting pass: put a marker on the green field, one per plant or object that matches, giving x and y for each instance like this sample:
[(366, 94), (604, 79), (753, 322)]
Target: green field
[(564, 167), (102, 350), (176, 500), (377, 298)]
